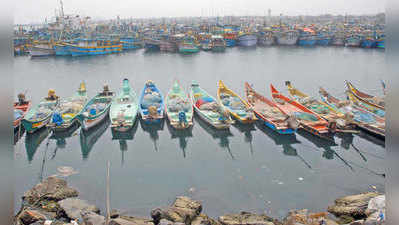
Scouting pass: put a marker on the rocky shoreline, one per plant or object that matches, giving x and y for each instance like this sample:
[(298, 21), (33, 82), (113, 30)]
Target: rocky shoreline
[(53, 202)]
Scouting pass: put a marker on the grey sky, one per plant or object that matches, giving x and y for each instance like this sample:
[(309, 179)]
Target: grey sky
[(26, 11)]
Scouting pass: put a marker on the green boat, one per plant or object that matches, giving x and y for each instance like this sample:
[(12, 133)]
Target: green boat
[(124, 107), (67, 111), (40, 115), (208, 109), (96, 110), (179, 109), (188, 47)]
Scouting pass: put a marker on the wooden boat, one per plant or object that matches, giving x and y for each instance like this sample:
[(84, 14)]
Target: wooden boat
[(270, 113), (321, 108), (39, 116), (124, 107), (20, 109), (96, 110), (371, 103), (307, 119), (362, 118), (151, 103), (238, 108), (208, 108), (67, 111), (179, 109)]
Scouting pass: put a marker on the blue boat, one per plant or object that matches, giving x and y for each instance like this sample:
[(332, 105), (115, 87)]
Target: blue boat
[(380, 42), (323, 39), (368, 43), (88, 47), (247, 40), (62, 49), (152, 44), (151, 104), (352, 41), (129, 43), (307, 38)]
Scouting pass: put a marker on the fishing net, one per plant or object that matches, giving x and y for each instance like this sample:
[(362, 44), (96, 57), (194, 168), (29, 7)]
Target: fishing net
[(178, 104), (306, 116)]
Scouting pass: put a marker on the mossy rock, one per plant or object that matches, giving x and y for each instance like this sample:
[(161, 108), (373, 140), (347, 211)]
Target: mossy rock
[(345, 219)]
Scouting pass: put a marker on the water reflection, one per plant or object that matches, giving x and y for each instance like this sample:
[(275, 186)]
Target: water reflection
[(90, 137), (61, 136), (122, 137), (325, 144), (33, 141), (285, 141), (182, 135), (18, 134), (246, 129), (152, 129), (221, 134), (371, 138)]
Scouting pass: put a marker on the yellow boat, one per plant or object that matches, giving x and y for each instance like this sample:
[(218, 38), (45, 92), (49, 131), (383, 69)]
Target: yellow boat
[(319, 107), (235, 105), (370, 103)]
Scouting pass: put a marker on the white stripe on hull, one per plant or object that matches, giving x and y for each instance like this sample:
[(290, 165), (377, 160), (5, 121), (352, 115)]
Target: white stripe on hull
[(87, 125)]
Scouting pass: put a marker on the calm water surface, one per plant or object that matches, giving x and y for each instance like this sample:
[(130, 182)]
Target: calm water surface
[(245, 168)]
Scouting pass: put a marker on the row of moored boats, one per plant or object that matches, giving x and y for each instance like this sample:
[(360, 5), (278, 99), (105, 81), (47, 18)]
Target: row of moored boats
[(284, 114)]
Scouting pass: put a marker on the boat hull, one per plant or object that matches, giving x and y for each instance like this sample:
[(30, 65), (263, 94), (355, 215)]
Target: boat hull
[(87, 123), (31, 127), (247, 40)]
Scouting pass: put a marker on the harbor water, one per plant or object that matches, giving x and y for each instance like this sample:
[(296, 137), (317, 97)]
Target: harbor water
[(245, 168)]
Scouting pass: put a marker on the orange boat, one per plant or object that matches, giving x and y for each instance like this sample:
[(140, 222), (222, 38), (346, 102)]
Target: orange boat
[(20, 110), (308, 119)]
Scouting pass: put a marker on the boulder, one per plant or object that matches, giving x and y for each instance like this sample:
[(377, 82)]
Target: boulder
[(304, 217), (74, 207), (53, 188), (129, 220), (30, 216), (354, 205), (203, 219), (183, 210), (247, 218), (90, 218), (376, 206)]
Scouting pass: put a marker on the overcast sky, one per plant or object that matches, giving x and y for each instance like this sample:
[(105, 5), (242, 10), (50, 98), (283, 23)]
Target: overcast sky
[(34, 11)]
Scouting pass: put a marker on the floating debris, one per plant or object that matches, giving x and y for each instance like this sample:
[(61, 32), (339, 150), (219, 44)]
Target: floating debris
[(66, 171)]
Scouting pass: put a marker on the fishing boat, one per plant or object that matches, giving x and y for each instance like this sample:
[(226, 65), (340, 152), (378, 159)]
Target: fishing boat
[(333, 116), (307, 37), (269, 113), (308, 120), (352, 41), (238, 108), (96, 110), (124, 108), (362, 118), (62, 49), (152, 44), (179, 109), (380, 41), (42, 50), (266, 38), (208, 109), (206, 45), (230, 38), (39, 116), (20, 109), (187, 46), (217, 43), (289, 37), (66, 113), (323, 39), (88, 47), (371, 103), (151, 103), (338, 39), (129, 43), (247, 39)]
